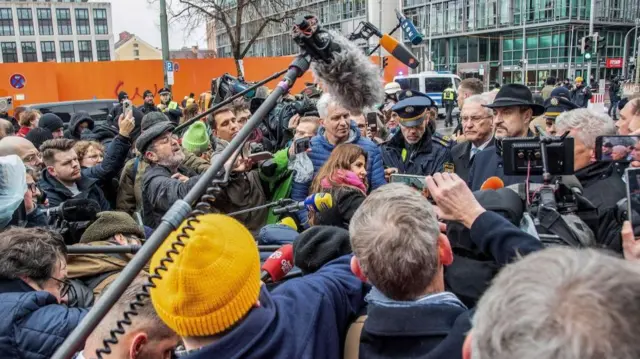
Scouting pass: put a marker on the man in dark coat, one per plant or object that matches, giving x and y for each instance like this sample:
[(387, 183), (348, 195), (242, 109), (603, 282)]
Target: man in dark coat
[(63, 178), (602, 185), (477, 128), (400, 250), (412, 150), (116, 110), (80, 121), (513, 110), (33, 291), (149, 104)]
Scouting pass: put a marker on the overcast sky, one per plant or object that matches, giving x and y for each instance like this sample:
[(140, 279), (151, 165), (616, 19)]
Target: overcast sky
[(140, 18)]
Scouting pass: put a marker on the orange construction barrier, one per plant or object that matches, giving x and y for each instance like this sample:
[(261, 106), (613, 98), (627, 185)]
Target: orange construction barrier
[(54, 82)]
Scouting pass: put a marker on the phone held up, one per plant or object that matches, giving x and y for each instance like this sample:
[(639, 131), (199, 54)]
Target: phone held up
[(127, 107), (417, 182), (617, 148), (633, 199), (302, 144), (372, 121)]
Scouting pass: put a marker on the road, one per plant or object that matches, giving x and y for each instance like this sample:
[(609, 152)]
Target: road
[(447, 131)]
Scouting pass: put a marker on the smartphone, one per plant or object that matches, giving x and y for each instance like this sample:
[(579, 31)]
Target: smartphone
[(618, 148), (417, 182), (633, 198), (260, 156), (372, 121), (302, 144), (127, 107)]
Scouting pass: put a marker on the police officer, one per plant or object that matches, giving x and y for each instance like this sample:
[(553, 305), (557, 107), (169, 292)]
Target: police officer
[(168, 106), (449, 98), (554, 106), (413, 150)]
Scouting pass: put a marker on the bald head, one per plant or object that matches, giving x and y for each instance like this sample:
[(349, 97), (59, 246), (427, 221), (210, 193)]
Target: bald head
[(14, 145), (6, 128)]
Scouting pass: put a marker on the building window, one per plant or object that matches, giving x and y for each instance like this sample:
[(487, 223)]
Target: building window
[(6, 22), (136, 52), (82, 22), (9, 52), (29, 53), (25, 22), (104, 54), (135, 45), (85, 51), (48, 49), (66, 51), (45, 23), (100, 21), (64, 21)]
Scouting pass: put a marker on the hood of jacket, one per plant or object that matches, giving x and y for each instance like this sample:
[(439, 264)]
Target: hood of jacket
[(76, 119)]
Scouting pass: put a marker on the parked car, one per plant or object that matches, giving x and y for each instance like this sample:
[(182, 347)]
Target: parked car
[(97, 109)]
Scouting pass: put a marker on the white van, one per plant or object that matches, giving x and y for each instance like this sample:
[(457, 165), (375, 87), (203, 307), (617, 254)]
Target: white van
[(431, 83)]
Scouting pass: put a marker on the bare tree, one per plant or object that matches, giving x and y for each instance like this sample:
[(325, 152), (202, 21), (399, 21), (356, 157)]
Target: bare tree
[(234, 15)]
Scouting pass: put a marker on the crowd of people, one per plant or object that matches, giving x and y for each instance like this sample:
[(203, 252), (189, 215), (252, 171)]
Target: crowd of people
[(454, 270)]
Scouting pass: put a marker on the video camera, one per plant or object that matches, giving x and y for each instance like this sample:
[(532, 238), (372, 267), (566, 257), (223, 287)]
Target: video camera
[(226, 86)]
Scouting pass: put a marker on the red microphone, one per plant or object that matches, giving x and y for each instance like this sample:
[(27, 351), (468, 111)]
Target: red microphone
[(493, 183), (278, 264)]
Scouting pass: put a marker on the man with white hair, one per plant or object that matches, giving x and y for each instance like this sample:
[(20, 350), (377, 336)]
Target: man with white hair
[(601, 183), (559, 303), (477, 126), (337, 128), (400, 249)]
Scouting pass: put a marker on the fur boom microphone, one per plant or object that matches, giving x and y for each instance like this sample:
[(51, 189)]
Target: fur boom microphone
[(350, 76)]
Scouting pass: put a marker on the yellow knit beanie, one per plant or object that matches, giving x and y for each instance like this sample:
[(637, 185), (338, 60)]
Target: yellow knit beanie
[(213, 282)]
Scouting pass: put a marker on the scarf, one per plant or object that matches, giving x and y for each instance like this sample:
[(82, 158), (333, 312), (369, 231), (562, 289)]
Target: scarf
[(343, 178)]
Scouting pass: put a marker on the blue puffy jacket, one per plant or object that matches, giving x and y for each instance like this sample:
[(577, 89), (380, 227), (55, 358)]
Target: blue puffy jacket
[(320, 152), (33, 325)]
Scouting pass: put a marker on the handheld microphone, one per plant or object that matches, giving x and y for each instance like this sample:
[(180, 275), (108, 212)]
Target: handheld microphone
[(399, 51), (409, 29), (350, 76), (317, 202), (493, 183), (75, 210), (278, 264)]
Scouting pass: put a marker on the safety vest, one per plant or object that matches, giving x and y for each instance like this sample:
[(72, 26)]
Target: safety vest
[(172, 105), (447, 95)]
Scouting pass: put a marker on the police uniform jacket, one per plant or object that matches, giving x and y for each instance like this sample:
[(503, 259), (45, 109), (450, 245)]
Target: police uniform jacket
[(429, 156)]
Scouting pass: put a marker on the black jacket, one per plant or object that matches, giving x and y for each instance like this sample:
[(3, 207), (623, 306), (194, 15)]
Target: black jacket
[(428, 158), (108, 171), (146, 108), (114, 114), (72, 131), (603, 187), (461, 154), (438, 331), (58, 193), (160, 191)]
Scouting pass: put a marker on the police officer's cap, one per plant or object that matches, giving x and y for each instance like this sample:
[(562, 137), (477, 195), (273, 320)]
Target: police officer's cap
[(164, 91), (554, 106), (411, 107)]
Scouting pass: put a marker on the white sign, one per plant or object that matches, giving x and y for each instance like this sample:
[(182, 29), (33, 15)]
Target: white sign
[(170, 79), (20, 97)]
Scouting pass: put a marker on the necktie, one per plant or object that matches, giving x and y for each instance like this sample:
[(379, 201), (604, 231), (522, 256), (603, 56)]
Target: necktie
[(474, 150)]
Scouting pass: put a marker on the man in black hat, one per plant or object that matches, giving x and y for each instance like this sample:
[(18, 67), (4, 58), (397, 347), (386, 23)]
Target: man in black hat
[(149, 104), (116, 110), (513, 111), (168, 106), (53, 123), (413, 150)]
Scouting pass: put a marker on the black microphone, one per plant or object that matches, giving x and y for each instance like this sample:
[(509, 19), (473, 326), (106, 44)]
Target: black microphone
[(318, 202), (349, 75), (75, 210)]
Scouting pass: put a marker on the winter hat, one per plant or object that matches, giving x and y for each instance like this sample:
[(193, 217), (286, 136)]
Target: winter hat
[(51, 122), (37, 136), (212, 281), (108, 225), (122, 95), (146, 93), (196, 139), (151, 133), (151, 119), (319, 245)]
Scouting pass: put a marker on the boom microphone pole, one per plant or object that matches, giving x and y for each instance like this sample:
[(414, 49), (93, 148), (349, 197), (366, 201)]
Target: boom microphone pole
[(176, 214), (228, 100)]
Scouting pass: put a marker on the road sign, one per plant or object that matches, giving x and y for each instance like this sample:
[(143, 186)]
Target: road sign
[(176, 67), (168, 66), (17, 81), (170, 79)]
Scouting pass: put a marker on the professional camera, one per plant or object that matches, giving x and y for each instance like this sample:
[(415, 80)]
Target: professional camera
[(226, 86)]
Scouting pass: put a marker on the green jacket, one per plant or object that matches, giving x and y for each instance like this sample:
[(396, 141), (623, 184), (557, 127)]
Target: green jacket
[(280, 183)]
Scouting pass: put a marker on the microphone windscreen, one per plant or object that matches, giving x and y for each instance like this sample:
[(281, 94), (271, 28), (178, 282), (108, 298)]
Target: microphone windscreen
[(279, 263), (350, 77), (79, 210), (492, 183), (319, 202)]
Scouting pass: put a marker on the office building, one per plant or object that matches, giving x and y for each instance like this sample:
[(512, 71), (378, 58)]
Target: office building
[(487, 38), (41, 31)]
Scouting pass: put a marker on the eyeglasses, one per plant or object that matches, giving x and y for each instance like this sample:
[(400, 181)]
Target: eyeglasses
[(32, 157), (64, 285), (33, 187), (474, 119)]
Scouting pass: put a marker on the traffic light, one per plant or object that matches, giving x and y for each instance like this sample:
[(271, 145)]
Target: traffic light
[(385, 61), (586, 47), (601, 42)]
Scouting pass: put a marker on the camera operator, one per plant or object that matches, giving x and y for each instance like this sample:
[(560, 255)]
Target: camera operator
[(33, 291), (513, 110), (602, 185), (400, 249)]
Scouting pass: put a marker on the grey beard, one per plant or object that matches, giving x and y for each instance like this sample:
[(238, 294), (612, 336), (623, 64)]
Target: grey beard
[(172, 162)]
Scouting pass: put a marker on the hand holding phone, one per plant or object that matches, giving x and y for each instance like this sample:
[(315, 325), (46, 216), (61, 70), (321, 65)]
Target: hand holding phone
[(302, 144), (260, 156), (417, 182), (127, 107)]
